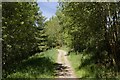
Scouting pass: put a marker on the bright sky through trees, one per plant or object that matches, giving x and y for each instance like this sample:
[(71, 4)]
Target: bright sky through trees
[(48, 8)]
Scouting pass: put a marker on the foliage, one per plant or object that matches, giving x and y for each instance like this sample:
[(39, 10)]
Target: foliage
[(92, 28), (53, 31), (22, 24)]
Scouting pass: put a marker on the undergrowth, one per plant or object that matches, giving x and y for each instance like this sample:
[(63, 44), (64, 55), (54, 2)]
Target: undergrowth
[(85, 67), (40, 65)]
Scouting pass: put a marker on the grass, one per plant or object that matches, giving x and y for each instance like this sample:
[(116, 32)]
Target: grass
[(75, 61), (64, 48), (84, 67), (41, 65)]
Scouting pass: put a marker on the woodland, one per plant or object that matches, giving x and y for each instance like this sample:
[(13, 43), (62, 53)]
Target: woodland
[(89, 31)]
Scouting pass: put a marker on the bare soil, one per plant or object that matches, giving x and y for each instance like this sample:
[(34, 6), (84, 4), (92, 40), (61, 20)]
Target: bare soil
[(64, 69)]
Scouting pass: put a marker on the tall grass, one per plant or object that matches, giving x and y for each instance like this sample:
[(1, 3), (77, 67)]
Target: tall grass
[(40, 65)]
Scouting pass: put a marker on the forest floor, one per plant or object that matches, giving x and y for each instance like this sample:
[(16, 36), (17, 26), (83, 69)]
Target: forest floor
[(64, 69)]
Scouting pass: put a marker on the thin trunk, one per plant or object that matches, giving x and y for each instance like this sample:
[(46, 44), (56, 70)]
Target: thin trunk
[(112, 37)]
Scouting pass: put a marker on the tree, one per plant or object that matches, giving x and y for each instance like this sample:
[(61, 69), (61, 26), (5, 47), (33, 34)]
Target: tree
[(92, 28), (21, 23), (53, 30)]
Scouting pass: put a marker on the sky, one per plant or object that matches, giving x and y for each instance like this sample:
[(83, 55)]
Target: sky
[(48, 8)]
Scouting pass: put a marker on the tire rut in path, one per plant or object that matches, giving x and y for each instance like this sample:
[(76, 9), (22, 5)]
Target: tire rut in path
[(64, 69)]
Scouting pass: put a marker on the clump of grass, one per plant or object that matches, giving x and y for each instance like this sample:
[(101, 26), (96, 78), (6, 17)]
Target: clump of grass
[(40, 65)]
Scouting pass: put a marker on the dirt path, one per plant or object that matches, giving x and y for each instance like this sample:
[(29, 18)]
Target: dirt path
[(64, 69)]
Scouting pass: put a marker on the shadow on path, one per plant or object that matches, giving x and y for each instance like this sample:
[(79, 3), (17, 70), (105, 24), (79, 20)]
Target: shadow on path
[(61, 70)]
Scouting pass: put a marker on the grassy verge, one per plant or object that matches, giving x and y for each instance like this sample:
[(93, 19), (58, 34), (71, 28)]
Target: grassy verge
[(75, 62), (41, 65), (84, 67), (81, 71)]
